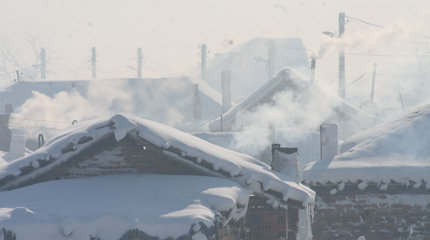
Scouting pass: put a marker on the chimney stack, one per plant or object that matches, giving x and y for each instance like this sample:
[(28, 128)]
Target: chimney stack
[(226, 90), (329, 138), (286, 160), (17, 147), (5, 132)]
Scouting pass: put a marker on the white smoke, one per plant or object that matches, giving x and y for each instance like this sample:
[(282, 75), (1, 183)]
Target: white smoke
[(371, 40), (160, 101), (289, 109)]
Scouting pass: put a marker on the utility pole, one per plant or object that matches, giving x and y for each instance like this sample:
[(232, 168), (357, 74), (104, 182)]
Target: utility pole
[(341, 57), (203, 65), (197, 104), (313, 63), (43, 63), (139, 63), (271, 57), (17, 75), (93, 62), (373, 82)]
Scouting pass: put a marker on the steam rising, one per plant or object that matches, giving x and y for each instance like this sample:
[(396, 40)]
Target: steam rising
[(370, 40), (156, 100), (303, 110)]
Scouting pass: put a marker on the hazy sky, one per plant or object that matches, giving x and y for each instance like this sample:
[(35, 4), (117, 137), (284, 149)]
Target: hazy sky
[(169, 32)]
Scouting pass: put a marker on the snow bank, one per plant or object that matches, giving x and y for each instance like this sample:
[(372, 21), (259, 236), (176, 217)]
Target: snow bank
[(107, 207), (247, 171), (393, 151)]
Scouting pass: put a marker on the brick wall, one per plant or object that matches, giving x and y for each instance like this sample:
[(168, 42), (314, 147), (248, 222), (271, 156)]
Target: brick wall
[(110, 157), (376, 216), (267, 223)]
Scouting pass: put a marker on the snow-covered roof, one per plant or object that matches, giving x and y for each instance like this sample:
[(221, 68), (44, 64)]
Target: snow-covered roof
[(397, 151), (107, 207), (305, 95), (185, 148)]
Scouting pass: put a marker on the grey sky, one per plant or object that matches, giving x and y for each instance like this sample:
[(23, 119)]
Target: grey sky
[(170, 31)]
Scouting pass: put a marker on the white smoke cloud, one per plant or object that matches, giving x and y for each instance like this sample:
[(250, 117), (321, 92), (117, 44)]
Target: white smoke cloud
[(371, 40), (161, 101), (294, 109)]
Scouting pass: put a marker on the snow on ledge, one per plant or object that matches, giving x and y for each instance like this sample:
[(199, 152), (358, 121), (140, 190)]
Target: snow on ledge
[(397, 151)]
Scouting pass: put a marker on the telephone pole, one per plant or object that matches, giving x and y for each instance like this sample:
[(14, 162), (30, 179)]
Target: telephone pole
[(271, 57), (313, 63), (373, 83), (139, 63), (43, 63), (341, 57), (203, 65), (93, 62)]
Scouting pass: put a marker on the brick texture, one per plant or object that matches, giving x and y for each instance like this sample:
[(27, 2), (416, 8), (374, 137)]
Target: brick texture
[(374, 216)]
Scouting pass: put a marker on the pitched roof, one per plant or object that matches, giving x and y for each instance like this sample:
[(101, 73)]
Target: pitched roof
[(187, 149), (306, 98), (397, 151)]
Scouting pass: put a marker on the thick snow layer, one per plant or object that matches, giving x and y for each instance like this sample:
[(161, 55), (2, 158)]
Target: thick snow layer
[(247, 171), (109, 206), (397, 150)]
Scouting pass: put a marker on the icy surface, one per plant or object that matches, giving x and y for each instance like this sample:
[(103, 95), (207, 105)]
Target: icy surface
[(396, 150), (247, 171), (108, 206)]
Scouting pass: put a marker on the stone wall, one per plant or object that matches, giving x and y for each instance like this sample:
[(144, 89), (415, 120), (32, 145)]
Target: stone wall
[(375, 216)]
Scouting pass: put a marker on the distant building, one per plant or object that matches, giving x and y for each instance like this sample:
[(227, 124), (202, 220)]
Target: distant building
[(378, 186)]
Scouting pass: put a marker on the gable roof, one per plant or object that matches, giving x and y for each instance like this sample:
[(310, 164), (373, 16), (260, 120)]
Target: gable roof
[(191, 151), (397, 151), (305, 95)]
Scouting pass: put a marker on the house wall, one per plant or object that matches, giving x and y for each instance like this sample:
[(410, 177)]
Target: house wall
[(110, 157), (374, 215), (267, 223)]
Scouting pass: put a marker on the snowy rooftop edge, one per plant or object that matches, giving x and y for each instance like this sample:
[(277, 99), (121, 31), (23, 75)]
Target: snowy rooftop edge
[(247, 171), (392, 151)]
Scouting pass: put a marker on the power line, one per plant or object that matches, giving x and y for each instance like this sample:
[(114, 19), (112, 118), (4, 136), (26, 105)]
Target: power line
[(368, 23), (384, 55), (379, 26), (33, 127), (39, 120), (356, 80)]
